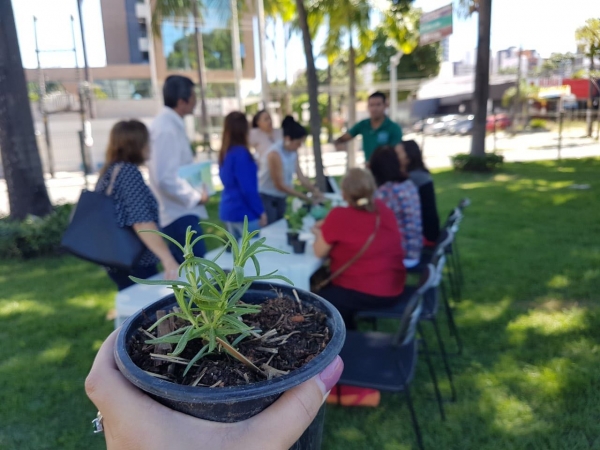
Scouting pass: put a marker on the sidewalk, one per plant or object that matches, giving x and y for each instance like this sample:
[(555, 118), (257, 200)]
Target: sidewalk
[(66, 187)]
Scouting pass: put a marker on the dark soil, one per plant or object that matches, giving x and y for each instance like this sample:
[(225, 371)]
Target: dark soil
[(299, 335)]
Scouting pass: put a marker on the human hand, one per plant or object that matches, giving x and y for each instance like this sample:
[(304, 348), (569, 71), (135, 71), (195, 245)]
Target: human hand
[(171, 268), (132, 420), (263, 221), (340, 146)]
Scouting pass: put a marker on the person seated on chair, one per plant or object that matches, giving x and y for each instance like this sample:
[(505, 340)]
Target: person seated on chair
[(364, 245), (412, 159), (400, 194)]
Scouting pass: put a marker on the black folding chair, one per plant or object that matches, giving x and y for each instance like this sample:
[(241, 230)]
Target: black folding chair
[(386, 361), (431, 301)]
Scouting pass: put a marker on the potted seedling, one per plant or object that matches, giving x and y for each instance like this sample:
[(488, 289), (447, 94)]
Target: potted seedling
[(295, 222), (226, 344)]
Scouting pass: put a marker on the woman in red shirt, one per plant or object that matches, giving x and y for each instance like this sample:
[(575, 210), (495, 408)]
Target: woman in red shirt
[(376, 279)]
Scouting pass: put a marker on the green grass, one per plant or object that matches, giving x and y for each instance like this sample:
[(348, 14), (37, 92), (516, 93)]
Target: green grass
[(528, 378)]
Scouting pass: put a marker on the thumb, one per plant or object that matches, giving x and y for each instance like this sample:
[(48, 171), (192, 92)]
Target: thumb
[(284, 421)]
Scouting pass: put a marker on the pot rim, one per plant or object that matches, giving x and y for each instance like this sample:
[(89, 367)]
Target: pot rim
[(231, 394)]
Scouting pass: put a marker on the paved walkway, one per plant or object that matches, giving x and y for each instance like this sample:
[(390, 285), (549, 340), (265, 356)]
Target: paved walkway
[(67, 186)]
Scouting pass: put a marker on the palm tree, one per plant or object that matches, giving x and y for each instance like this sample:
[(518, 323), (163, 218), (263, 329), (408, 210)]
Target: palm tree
[(347, 19), (183, 9), (588, 37), (313, 91), (23, 172), (482, 72)]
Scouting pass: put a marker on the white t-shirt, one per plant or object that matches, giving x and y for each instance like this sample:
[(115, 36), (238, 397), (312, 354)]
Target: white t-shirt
[(262, 142)]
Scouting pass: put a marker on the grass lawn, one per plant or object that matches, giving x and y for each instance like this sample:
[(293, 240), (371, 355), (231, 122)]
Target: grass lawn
[(529, 377)]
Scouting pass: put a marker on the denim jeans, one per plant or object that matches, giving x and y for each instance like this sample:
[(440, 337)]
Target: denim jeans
[(237, 228), (274, 207), (177, 231)]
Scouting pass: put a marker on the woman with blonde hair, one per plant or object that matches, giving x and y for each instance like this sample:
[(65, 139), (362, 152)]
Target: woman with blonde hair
[(363, 243), (136, 207)]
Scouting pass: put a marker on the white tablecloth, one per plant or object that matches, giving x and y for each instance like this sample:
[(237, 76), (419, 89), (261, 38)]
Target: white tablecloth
[(298, 268)]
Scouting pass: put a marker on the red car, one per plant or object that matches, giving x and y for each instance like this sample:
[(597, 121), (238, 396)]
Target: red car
[(502, 122)]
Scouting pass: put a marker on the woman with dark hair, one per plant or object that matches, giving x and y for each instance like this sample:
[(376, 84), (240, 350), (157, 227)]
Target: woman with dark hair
[(365, 228), (411, 157), (277, 170), (238, 173), (400, 194), (262, 134), (136, 207)]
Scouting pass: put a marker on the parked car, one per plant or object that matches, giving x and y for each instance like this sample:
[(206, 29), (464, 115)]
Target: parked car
[(442, 125), (420, 125), (502, 122), (462, 127)]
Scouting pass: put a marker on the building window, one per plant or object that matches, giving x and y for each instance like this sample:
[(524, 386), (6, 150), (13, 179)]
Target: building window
[(146, 57), (125, 89), (179, 44), (143, 29)]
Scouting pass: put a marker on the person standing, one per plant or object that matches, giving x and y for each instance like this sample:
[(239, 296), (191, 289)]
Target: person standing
[(239, 175), (376, 131), (277, 169), (135, 205), (180, 205), (262, 135)]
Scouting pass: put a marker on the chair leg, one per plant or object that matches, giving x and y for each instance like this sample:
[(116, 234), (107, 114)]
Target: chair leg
[(451, 323), (438, 396), (444, 358), (458, 264), (413, 417), (455, 290)]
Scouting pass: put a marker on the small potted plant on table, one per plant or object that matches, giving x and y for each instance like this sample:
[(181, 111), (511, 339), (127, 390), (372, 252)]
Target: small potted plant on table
[(226, 345), (295, 224)]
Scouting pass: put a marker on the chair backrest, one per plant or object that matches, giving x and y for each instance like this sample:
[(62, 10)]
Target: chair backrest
[(412, 313), (445, 240), (438, 262)]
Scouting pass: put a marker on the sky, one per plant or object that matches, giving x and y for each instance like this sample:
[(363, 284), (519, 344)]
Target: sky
[(534, 24)]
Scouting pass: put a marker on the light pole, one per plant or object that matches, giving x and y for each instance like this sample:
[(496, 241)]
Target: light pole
[(86, 66), (260, 12), (237, 60), (394, 62)]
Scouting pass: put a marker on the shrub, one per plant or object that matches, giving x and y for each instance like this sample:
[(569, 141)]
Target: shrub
[(538, 124), (35, 236), (468, 163)]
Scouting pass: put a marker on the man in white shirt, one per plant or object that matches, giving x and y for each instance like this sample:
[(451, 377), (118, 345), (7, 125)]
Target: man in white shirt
[(180, 205)]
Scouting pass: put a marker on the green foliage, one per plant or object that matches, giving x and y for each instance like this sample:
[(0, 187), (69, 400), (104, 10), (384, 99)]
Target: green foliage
[(467, 163), (526, 92), (538, 124), (34, 236), (423, 62), (300, 100), (529, 318), (210, 301), (217, 51), (588, 38), (295, 218)]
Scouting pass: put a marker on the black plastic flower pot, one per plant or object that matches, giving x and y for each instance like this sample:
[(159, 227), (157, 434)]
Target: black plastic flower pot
[(299, 246), (292, 236), (237, 403)]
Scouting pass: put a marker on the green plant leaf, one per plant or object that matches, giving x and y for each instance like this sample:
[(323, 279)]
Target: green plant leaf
[(232, 240), (212, 340), (183, 342), (160, 282), (164, 236), (161, 320), (203, 351), (239, 275), (256, 264), (235, 298)]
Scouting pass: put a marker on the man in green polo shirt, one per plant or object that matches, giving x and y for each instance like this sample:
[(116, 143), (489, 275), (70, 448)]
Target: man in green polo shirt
[(376, 131)]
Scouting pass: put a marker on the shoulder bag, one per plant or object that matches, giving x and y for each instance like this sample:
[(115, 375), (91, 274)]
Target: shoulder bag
[(95, 235)]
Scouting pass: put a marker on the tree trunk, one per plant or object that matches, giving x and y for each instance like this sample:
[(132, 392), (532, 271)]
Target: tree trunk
[(590, 120), (313, 93), (27, 192), (351, 101), (288, 94), (482, 79), (329, 106), (199, 47)]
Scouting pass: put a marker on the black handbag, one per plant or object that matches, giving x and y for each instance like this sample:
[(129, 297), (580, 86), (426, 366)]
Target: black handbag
[(95, 235)]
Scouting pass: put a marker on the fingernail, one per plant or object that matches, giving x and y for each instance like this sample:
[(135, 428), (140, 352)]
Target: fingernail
[(330, 376)]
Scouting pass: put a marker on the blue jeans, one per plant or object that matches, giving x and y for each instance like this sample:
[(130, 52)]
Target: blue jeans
[(121, 277), (237, 228), (177, 231), (274, 207)]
